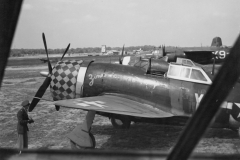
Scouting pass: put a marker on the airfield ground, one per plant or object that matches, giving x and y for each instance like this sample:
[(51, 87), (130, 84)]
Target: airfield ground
[(51, 126)]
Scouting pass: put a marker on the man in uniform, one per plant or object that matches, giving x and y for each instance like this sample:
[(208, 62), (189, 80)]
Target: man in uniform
[(22, 127)]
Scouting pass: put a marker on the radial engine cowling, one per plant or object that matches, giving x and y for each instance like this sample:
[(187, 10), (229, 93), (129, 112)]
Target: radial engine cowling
[(67, 79)]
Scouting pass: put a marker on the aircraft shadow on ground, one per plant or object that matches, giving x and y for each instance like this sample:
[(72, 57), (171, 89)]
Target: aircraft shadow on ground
[(145, 136)]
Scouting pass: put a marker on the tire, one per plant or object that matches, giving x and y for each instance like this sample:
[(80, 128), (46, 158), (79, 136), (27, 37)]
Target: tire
[(122, 122), (74, 146)]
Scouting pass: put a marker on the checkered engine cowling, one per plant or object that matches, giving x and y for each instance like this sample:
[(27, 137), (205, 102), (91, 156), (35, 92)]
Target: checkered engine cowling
[(64, 79)]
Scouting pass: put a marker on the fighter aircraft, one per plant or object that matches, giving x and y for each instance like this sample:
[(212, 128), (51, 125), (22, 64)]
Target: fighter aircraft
[(202, 55), (137, 51), (182, 149), (209, 58), (216, 53), (129, 92)]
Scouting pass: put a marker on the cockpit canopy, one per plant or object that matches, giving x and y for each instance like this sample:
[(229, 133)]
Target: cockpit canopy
[(188, 72), (185, 61)]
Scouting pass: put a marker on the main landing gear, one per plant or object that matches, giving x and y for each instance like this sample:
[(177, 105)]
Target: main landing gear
[(121, 122), (75, 146), (81, 137)]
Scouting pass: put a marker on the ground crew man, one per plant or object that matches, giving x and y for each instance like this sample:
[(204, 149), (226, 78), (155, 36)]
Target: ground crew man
[(22, 127)]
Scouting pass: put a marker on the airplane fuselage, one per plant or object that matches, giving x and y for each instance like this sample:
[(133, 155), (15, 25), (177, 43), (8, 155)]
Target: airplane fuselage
[(178, 97), (181, 97)]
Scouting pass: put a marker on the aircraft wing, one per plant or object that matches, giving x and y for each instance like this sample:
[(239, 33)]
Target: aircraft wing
[(114, 104)]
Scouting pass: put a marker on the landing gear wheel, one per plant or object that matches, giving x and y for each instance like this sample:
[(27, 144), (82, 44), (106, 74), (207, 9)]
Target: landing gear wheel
[(74, 146), (123, 122)]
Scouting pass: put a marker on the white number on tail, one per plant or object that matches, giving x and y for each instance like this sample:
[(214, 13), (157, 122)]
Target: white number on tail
[(220, 54)]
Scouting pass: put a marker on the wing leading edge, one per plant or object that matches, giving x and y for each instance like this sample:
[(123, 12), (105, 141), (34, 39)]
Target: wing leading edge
[(114, 104)]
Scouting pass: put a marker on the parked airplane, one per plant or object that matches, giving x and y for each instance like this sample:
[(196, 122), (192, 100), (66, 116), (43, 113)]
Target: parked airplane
[(125, 92), (137, 51), (209, 58), (106, 52), (182, 149), (160, 66), (202, 55)]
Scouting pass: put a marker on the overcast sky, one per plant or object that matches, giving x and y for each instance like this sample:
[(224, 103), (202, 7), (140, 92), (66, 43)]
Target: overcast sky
[(92, 23)]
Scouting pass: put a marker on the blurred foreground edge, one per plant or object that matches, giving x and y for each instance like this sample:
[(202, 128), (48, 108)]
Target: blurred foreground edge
[(9, 13), (13, 154)]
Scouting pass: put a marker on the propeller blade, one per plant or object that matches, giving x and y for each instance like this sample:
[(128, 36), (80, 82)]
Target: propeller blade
[(39, 93), (45, 45), (121, 57), (65, 51)]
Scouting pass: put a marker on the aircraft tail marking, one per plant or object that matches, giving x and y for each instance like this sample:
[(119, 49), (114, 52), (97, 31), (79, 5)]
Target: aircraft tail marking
[(216, 42)]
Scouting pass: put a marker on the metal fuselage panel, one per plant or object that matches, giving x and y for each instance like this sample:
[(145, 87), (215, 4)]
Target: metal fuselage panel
[(126, 80), (178, 97)]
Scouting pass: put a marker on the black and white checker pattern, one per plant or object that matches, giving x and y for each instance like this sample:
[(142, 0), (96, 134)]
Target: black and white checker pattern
[(64, 79)]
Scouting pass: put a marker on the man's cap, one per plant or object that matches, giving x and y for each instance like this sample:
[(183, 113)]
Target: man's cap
[(25, 103)]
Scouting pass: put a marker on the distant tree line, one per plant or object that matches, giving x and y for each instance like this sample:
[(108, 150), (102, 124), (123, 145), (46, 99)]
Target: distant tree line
[(32, 52)]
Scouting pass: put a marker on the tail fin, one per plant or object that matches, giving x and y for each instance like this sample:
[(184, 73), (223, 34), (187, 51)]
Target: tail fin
[(216, 42)]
